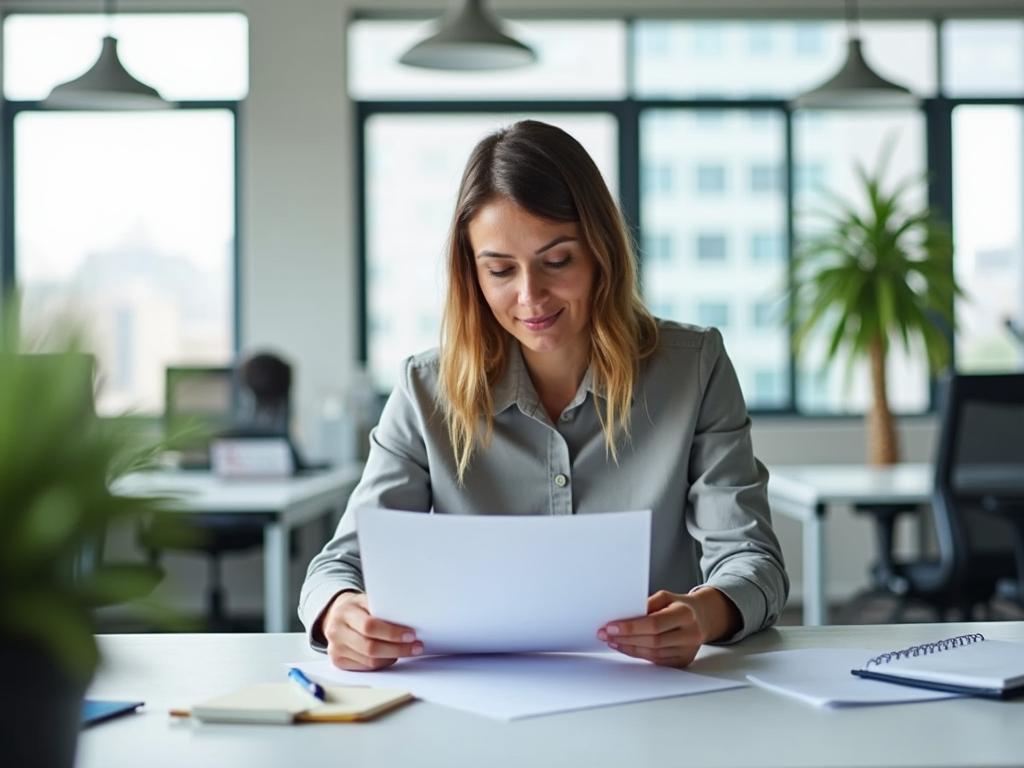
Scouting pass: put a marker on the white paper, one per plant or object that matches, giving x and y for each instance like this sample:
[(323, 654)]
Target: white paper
[(515, 686), (505, 584), (821, 677)]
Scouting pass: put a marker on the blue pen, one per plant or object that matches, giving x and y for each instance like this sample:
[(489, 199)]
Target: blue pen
[(314, 688)]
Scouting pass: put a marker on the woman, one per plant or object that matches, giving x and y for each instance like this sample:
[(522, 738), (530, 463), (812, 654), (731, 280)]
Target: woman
[(556, 392)]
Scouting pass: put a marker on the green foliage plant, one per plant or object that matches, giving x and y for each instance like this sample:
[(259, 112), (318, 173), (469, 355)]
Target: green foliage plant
[(876, 270), (58, 463)]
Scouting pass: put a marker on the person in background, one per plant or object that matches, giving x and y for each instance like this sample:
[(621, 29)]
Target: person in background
[(555, 392)]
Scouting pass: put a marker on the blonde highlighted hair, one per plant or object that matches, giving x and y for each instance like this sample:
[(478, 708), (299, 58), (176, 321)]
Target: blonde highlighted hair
[(545, 171)]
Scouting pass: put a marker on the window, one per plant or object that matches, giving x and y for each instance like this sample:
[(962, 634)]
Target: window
[(808, 38), (713, 314), (766, 315), (145, 250), (711, 179), (711, 247), (765, 178), (760, 40), (708, 39), (767, 248), (657, 247), (657, 178), (987, 200)]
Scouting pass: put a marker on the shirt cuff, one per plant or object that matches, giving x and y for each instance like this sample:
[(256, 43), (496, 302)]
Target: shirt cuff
[(749, 599), (315, 606)]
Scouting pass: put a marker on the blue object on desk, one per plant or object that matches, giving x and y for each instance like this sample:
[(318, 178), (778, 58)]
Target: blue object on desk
[(94, 711), (314, 688)]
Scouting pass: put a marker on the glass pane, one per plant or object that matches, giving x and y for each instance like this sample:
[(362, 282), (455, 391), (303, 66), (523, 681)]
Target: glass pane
[(712, 242), (129, 219), (983, 58), (575, 60), (189, 56), (772, 59), (987, 214), (413, 167), (827, 149)]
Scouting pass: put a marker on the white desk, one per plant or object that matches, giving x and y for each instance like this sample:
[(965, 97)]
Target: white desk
[(805, 493), (736, 728), (282, 503)]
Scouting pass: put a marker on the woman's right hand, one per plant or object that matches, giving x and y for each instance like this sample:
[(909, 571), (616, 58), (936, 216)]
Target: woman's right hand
[(359, 642)]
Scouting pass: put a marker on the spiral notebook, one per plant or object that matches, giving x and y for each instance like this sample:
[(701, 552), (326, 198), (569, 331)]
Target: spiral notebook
[(967, 664)]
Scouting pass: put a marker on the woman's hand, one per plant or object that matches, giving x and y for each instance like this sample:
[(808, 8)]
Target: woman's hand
[(359, 642), (675, 627)]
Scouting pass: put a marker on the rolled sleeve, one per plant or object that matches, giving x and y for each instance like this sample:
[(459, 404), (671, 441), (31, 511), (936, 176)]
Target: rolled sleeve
[(728, 512)]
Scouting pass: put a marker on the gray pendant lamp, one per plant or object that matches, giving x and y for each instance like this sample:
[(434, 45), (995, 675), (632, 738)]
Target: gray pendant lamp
[(468, 38), (107, 85), (856, 85)]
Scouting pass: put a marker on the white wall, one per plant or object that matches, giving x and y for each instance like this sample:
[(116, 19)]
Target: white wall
[(298, 271)]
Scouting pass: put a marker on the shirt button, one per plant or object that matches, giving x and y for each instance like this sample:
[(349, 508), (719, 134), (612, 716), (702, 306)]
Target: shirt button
[(561, 480), (566, 416)]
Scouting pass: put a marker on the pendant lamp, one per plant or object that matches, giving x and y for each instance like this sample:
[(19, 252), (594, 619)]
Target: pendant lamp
[(107, 85), (468, 38), (856, 85)]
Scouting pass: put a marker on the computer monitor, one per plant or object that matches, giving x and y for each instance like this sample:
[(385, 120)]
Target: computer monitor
[(206, 397)]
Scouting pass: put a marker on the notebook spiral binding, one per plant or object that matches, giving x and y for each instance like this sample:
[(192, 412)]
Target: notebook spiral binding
[(926, 648)]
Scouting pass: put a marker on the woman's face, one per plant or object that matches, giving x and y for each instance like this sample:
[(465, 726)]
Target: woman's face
[(537, 277)]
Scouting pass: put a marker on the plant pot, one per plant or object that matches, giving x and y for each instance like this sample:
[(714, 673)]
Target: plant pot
[(40, 707)]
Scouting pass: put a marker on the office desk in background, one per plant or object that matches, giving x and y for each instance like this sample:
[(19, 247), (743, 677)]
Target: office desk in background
[(805, 493), (280, 504), (736, 728)]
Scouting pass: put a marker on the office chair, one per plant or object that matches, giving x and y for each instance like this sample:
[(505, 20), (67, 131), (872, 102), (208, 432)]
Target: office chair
[(260, 407), (977, 505)]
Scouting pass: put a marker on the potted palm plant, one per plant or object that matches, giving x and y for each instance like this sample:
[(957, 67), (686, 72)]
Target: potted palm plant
[(57, 464), (877, 270)]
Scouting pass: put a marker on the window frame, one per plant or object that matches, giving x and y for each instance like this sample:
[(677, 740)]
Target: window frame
[(937, 112)]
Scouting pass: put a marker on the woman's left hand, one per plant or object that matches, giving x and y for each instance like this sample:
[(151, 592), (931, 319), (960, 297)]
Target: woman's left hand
[(675, 627)]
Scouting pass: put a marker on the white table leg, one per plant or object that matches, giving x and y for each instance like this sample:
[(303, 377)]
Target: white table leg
[(815, 608), (275, 578)]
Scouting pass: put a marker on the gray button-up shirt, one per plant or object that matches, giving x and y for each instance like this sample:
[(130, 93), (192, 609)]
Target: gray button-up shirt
[(689, 460)]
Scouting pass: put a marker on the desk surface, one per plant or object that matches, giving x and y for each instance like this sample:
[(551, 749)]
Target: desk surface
[(742, 727), (851, 484), (205, 492)]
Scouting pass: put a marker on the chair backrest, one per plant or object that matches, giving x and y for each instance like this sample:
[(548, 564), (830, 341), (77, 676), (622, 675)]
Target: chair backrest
[(979, 470), (265, 382)]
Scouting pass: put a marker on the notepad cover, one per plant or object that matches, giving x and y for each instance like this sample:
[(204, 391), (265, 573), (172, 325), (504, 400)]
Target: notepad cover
[(980, 667), (283, 703)]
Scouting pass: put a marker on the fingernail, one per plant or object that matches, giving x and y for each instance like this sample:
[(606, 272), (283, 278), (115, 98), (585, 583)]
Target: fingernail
[(613, 629), (408, 637), (602, 635), (417, 650), (613, 645)]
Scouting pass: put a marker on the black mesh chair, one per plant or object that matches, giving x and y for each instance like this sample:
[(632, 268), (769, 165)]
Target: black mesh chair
[(977, 504)]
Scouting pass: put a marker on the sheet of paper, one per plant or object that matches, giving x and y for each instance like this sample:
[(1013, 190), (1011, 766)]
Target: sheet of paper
[(821, 677), (505, 584), (516, 686)]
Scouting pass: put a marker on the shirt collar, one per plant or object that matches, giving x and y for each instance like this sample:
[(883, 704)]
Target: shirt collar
[(515, 387)]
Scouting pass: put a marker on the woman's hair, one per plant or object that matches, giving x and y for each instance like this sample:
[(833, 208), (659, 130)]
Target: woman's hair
[(546, 172)]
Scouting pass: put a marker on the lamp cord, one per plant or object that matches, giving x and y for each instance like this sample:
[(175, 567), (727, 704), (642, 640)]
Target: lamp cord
[(852, 19), (109, 9)]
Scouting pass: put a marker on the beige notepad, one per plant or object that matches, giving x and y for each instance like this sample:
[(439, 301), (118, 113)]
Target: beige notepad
[(288, 703)]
